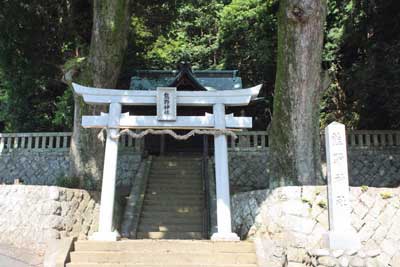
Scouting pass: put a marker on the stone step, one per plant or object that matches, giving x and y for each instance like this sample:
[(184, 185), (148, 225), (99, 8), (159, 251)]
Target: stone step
[(155, 265), (177, 159), (172, 228), (175, 174), (190, 168), (167, 194), (169, 235), (180, 190), (175, 178), (181, 185), (163, 258), (169, 208), (177, 184), (173, 186), (175, 203), (171, 197), (193, 171), (169, 221), (177, 165), (171, 246), (198, 185), (168, 215), (165, 187)]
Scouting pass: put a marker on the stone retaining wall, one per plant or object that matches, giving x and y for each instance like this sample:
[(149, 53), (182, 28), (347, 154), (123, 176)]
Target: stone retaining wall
[(293, 220), (378, 167), (248, 170), (40, 167), (44, 167), (30, 216)]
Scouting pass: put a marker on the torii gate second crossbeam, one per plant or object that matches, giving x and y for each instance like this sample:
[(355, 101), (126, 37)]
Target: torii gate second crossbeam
[(166, 99)]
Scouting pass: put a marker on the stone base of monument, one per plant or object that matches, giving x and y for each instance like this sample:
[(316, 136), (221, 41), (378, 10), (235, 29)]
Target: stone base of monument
[(105, 236), (342, 240), (225, 237)]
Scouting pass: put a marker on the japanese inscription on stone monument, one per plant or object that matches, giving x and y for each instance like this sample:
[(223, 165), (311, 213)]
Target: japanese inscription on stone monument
[(341, 235)]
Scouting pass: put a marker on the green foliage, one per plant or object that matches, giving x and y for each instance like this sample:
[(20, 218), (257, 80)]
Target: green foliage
[(248, 39), (32, 49), (386, 195), (193, 37), (307, 201), (322, 204), (64, 112), (40, 41), (362, 50), (68, 182), (364, 188)]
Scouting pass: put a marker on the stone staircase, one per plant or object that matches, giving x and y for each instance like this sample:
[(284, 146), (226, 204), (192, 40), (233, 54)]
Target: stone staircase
[(173, 206), (168, 253)]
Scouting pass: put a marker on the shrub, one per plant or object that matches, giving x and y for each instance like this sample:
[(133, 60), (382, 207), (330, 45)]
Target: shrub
[(364, 188), (68, 182)]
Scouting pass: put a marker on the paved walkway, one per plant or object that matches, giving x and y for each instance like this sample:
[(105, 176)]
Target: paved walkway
[(16, 257)]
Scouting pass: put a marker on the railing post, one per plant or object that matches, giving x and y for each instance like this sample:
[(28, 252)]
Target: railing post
[(390, 139), (58, 141), (375, 139), (1, 144), (9, 148), (43, 144), (23, 142)]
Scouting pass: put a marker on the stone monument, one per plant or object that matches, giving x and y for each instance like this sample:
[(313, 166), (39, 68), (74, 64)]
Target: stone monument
[(341, 235)]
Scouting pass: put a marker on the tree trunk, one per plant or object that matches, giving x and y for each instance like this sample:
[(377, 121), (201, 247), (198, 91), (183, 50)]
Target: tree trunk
[(109, 40), (295, 139)]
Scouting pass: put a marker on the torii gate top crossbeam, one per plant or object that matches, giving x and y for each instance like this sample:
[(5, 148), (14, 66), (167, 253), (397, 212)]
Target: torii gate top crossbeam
[(240, 97)]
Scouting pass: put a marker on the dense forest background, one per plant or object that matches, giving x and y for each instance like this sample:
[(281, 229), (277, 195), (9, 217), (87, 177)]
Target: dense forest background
[(42, 43)]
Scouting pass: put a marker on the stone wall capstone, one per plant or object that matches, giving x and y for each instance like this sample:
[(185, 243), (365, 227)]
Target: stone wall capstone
[(30, 216), (296, 218)]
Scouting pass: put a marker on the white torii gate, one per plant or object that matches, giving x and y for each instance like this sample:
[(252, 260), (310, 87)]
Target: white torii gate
[(166, 99)]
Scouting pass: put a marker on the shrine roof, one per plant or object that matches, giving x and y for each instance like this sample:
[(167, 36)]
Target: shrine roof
[(209, 80)]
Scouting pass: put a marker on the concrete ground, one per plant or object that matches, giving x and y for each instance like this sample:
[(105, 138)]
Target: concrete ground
[(16, 257)]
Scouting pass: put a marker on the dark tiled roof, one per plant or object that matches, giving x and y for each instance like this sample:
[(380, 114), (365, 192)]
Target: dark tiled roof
[(199, 79)]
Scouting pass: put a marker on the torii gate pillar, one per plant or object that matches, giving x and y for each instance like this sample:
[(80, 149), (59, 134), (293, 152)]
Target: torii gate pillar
[(106, 232), (222, 179)]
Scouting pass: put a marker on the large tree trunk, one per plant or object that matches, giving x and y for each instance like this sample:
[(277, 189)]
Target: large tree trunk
[(109, 40), (295, 140)]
